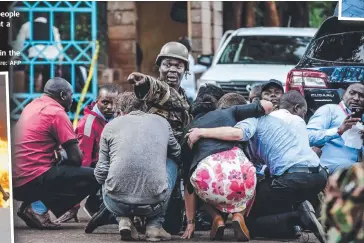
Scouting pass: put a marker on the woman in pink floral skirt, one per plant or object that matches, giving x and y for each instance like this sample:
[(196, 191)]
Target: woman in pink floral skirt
[(218, 172), (227, 177), (227, 181)]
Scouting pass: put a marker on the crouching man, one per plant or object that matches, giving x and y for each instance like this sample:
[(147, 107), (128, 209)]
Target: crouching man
[(136, 176)]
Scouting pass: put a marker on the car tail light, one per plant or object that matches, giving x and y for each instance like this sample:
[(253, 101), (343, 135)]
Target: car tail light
[(300, 79)]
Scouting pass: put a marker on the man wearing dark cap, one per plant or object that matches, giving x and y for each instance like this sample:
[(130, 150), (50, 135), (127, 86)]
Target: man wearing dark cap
[(41, 171), (272, 91)]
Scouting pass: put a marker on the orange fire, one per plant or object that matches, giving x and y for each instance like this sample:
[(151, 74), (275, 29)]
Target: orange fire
[(4, 172)]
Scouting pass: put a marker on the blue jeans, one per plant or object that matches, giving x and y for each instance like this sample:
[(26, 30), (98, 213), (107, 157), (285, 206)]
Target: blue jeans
[(154, 213)]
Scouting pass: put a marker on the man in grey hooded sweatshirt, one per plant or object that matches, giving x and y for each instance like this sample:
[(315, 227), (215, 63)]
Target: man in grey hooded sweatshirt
[(133, 169)]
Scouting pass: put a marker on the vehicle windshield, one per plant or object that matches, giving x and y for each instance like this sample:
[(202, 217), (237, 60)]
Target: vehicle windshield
[(279, 50), (341, 48)]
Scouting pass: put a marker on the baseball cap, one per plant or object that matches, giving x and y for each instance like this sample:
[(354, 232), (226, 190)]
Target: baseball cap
[(273, 82)]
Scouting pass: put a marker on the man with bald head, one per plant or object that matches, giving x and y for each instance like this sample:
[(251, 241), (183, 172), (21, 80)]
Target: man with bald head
[(41, 170)]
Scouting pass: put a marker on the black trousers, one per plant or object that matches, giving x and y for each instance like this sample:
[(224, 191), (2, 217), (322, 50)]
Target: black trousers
[(60, 188), (276, 199)]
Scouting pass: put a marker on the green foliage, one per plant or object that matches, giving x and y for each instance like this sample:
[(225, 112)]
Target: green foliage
[(82, 29), (319, 11)]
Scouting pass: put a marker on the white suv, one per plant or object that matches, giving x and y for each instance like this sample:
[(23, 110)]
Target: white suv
[(250, 56)]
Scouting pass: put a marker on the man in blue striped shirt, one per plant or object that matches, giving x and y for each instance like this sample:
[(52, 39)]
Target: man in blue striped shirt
[(295, 175)]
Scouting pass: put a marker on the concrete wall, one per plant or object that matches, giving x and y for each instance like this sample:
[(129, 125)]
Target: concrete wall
[(150, 24), (122, 33), (207, 26), (155, 28)]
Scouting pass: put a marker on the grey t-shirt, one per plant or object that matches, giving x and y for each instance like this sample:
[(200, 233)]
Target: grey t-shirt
[(132, 159)]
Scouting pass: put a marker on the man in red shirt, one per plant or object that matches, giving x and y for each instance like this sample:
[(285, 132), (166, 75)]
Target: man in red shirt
[(92, 124), (88, 131), (38, 175)]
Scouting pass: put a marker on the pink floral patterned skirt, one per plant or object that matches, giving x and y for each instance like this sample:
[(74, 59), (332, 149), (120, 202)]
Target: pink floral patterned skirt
[(226, 180)]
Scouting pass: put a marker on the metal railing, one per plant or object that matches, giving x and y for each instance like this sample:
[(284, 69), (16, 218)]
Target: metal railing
[(75, 51)]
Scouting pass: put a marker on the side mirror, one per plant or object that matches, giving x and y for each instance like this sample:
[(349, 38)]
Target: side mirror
[(205, 60)]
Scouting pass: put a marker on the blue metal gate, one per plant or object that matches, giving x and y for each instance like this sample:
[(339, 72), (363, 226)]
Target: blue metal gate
[(75, 51)]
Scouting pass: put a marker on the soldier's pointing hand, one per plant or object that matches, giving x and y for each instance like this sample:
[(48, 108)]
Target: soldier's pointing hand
[(137, 78)]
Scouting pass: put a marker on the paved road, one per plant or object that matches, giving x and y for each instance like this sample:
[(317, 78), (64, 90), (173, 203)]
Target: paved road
[(74, 233), (5, 228)]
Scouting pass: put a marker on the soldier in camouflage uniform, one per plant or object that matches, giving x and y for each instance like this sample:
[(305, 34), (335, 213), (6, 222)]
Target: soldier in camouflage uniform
[(164, 95), (343, 210)]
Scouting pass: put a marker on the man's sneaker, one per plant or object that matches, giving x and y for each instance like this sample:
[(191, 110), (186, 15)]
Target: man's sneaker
[(310, 222), (102, 217), (69, 215), (40, 221), (156, 234), (127, 230)]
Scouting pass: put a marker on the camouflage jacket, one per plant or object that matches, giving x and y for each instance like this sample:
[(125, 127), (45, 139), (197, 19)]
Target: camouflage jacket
[(343, 209), (165, 101)]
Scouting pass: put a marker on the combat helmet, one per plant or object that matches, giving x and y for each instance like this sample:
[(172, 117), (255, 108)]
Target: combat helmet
[(173, 50)]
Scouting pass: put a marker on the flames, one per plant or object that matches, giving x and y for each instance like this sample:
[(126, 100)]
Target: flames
[(4, 171)]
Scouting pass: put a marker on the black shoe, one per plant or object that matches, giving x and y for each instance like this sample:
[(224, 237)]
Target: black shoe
[(310, 222), (139, 223), (102, 217), (174, 214), (297, 231), (203, 222)]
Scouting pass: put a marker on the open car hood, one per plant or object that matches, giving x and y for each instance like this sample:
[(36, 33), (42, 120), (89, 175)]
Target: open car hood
[(333, 25), (330, 26)]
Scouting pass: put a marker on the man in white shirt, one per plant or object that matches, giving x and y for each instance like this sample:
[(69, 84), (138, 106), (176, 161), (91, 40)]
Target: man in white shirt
[(50, 52), (51, 49), (292, 110)]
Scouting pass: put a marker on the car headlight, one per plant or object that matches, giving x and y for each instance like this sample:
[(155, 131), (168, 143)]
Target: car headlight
[(200, 82)]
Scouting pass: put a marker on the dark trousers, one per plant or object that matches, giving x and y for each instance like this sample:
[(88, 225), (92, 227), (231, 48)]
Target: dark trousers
[(60, 188), (276, 200), (94, 200)]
